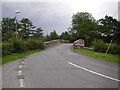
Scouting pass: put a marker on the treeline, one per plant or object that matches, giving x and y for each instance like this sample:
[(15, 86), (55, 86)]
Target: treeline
[(21, 37), (96, 33)]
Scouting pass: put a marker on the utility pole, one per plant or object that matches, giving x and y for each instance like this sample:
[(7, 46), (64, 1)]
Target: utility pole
[(119, 11), (16, 31)]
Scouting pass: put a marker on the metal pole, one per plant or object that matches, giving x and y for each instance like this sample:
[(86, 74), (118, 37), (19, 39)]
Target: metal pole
[(16, 31), (16, 22)]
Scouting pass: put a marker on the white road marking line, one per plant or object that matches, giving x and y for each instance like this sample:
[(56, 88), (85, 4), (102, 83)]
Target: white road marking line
[(20, 72), (28, 57), (25, 59), (20, 66), (23, 62), (21, 80), (94, 72)]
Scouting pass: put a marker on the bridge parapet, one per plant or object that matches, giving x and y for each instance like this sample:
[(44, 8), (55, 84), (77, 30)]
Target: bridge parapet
[(54, 42)]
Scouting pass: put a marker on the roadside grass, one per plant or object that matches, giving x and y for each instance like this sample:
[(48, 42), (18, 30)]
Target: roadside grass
[(99, 55), (15, 56)]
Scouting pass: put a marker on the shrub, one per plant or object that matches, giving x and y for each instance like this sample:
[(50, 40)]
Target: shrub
[(33, 44), (114, 49), (18, 45), (7, 48), (100, 46)]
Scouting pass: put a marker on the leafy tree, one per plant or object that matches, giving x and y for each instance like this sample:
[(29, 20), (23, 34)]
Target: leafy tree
[(8, 27), (109, 28), (38, 33), (47, 38), (27, 28), (65, 36), (54, 35), (84, 26)]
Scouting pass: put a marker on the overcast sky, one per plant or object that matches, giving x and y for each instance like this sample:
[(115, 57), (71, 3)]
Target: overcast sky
[(56, 14)]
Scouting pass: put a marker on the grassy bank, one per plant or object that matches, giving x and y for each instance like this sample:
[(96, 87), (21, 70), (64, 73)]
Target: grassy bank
[(15, 56), (108, 57)]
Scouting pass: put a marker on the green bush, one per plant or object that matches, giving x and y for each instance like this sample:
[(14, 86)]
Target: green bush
[(100, 46), (19, 45), (114, 49), (7, 48), (33, 44)]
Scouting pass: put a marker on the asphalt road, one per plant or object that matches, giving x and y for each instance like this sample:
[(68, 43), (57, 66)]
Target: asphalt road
[(60, 67)]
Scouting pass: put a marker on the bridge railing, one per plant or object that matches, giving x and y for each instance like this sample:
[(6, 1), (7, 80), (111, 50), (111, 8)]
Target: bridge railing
[(54, 42)]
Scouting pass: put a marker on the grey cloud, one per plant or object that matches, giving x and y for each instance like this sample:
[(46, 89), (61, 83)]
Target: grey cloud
[(49, 16), (53, 15)]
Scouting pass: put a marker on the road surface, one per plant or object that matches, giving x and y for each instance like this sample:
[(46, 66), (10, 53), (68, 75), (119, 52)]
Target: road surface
[(60, 67)]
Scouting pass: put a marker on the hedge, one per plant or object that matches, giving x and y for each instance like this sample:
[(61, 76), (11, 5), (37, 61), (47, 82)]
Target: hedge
[(100, 46), (17, 45)]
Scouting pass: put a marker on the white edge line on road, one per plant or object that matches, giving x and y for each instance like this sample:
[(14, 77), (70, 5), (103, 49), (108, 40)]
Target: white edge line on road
[(20, 66), (94, 72)]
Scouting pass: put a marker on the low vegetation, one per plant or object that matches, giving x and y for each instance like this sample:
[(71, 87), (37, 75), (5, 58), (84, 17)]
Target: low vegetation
[(15, 56), (16, 45), (96, 33), (99, 55)]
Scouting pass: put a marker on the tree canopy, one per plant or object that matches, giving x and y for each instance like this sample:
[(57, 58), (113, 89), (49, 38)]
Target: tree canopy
[(83, 26)]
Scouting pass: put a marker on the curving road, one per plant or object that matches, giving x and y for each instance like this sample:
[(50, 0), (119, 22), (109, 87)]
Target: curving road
[(60, 67)]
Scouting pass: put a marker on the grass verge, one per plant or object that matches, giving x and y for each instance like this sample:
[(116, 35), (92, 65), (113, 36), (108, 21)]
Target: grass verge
[(108, 57), (15, 56)]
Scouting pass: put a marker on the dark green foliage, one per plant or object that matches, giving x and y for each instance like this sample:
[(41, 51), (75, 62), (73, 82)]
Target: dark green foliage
[(100, 46), (47, 38), (109, 28), (84, 27), (19, 45), (7, 48), (33, 44), (66, 36), (38, 34), (114, 49), (54, 35), (8, 24), (8, 28), (26, 28)]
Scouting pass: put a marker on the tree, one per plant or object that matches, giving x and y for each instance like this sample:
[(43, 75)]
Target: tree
[(65, 36), (54, 35), (84, 26), (27, 28), (8, 27), (109, 28), (38, 33), (47, 38)]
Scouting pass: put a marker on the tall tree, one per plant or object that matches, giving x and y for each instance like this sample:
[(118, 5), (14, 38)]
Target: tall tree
[(65, 36), (8, 27), (109, 28), (84, 26), (47, 38), (54, 35), (27, 28), (38, 33)]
